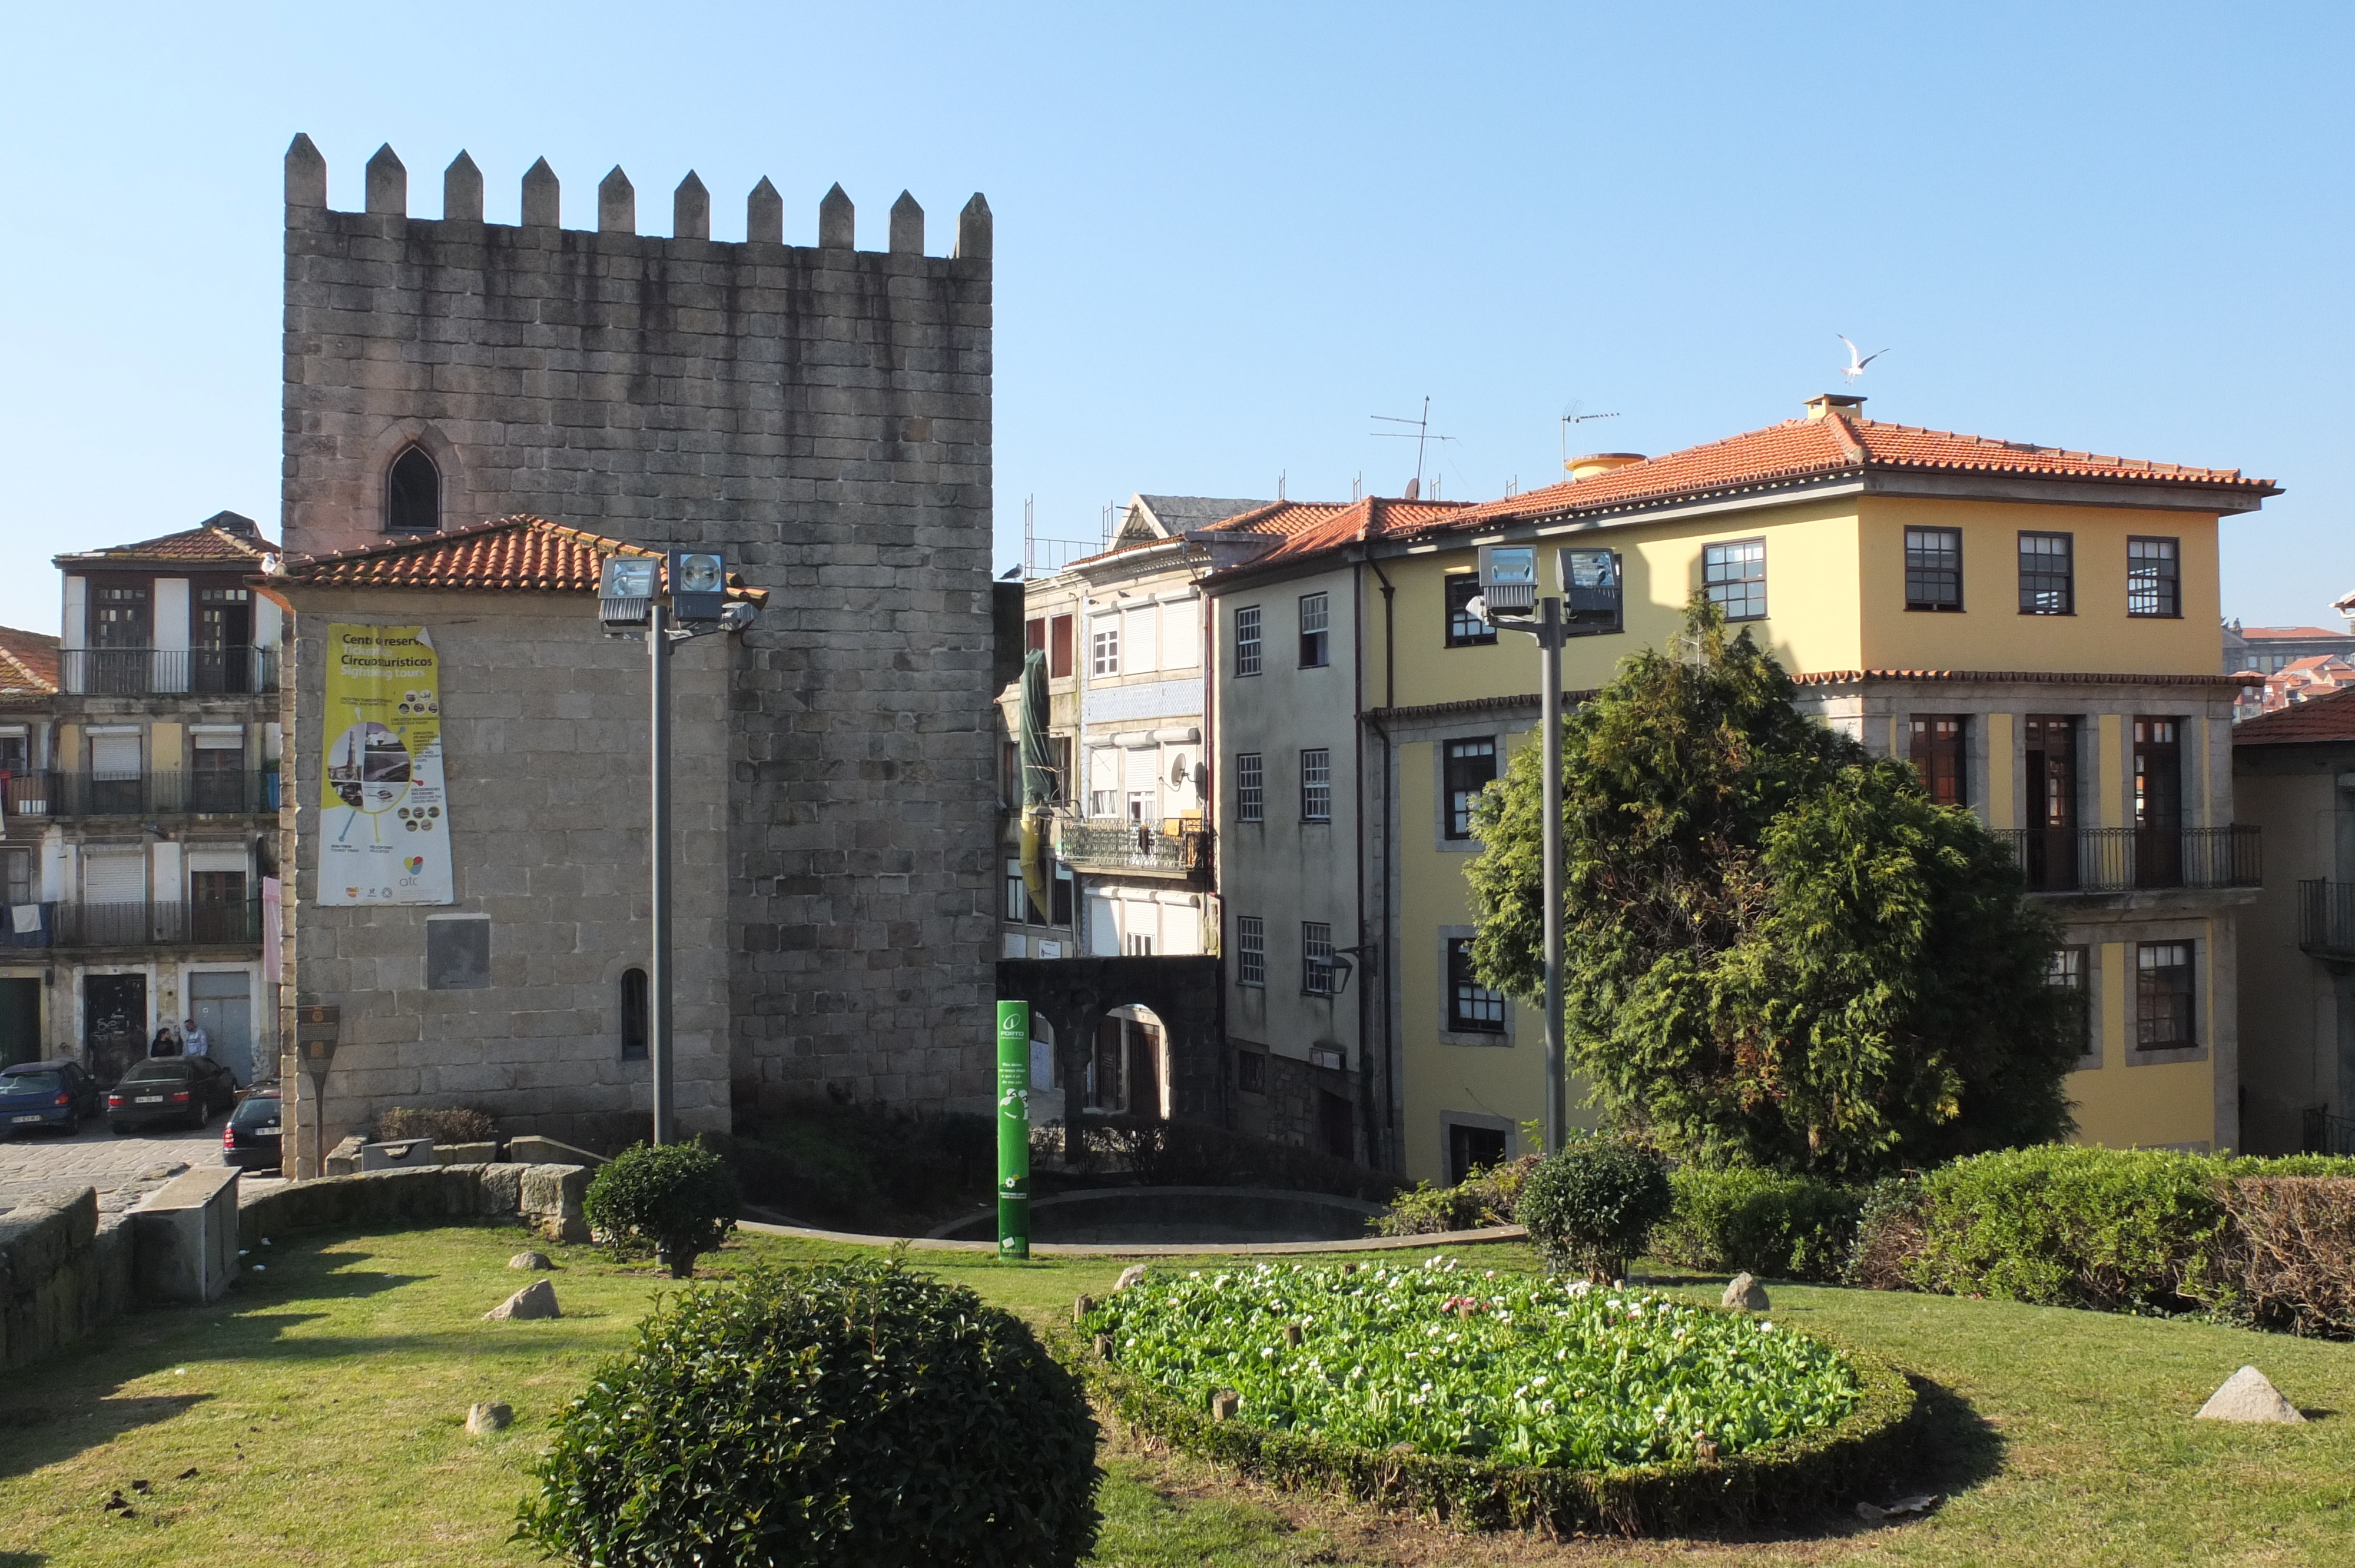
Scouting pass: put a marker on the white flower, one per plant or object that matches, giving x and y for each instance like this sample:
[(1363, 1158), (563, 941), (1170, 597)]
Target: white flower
[(1265, 1354)]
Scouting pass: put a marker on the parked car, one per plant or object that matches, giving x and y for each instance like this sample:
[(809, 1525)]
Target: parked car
[(170, 1088), (250, 1139), (47, 1093)]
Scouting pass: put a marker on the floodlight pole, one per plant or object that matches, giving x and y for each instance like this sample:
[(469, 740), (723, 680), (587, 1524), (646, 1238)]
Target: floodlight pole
[(1550, 639), (658, 966)]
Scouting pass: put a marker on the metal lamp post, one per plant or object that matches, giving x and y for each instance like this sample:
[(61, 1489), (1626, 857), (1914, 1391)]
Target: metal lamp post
[(630, 596), (1509, 597)]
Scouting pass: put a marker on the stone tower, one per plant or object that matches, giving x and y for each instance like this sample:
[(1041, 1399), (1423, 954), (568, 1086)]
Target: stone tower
[(821, 413)]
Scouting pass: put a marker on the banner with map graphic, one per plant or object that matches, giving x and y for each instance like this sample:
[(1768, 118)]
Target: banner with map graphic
[(384, 819)]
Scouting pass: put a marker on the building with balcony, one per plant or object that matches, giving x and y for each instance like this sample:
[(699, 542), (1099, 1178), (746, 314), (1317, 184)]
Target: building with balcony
[(1130, 869), (141, 806), (28, 689), (2293, 776), (2036, 628)]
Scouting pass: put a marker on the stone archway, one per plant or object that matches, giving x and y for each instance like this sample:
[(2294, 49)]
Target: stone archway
[(1074, 996)]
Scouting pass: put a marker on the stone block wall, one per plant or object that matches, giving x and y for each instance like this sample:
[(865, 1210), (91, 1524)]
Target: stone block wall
[(822, 414), (544, 734)]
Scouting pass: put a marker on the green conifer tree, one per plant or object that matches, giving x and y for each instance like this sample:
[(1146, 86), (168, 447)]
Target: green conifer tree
[(1778, 950)]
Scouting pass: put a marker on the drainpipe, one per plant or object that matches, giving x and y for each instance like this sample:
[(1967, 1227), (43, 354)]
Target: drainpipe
[(1387, 1150)]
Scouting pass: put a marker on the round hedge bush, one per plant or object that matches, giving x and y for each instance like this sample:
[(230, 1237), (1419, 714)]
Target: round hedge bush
[(846, 1413), (678, 1201), (1593, 1205)]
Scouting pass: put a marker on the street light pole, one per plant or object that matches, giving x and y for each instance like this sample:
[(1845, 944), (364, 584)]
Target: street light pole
[(659, 964), (1550, 640)]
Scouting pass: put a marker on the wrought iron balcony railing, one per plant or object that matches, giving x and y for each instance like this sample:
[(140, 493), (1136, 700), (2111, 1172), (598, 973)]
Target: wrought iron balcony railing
[(201, 792), (1104, 847), (2326, 919), (161, 923), (2327, 1134), (2123, 860), (150, 671)]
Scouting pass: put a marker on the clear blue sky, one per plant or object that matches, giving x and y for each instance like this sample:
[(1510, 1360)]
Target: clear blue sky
[(1228, 234)]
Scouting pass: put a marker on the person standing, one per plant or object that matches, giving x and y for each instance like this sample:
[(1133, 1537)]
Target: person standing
[(194, 1041), (166, 1042)]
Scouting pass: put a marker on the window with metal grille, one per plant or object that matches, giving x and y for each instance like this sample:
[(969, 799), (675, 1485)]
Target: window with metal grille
[(1471, 767), (1933, 568), (1735, 577), (1315, 958), (1103, 649), (2153, 586), (1465, 629), (2067, 974), (1315, 648), (1251, 1072), (2048, 574), (1247, 641), (1250, 951), (1472, 1008), (1938, 753), (1317, 786), (1251, 794), (2163, 996)]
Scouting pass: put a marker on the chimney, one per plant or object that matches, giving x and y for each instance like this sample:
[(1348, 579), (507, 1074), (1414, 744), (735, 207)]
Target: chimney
[(1823, 405), (1592, 464)]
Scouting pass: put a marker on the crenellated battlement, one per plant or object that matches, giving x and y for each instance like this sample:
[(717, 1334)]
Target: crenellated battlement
[(542, 205)]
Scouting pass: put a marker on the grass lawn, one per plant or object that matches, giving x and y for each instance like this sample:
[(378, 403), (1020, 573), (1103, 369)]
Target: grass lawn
[(321, 1407)]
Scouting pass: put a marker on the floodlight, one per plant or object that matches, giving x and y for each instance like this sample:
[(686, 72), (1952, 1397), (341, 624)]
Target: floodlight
[(1591, 592), (698, 585), (1509, 578), (625, 590)]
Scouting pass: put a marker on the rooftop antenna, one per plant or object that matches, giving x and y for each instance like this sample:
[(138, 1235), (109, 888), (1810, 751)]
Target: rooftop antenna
[(1572, 417), (1279, 482), (1029, 536), (1421, 435), (1358, 493)]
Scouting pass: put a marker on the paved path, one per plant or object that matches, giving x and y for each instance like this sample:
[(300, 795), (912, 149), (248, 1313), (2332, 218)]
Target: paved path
[(123, 1169)]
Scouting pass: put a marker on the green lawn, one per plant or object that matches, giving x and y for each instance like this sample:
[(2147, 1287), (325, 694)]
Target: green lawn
[(321, 1407)]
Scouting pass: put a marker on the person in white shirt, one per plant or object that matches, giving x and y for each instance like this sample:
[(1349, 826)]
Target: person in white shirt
[(193, 1042)]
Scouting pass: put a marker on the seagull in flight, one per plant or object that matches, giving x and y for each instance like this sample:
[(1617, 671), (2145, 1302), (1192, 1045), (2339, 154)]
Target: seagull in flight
[(1857, 362)]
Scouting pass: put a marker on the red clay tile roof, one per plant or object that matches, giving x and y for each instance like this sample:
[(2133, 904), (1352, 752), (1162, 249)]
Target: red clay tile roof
[(506, 554), (2288, 633), (1308, 527), (2041, 677), (1800, 449), (2324, 718), (206, 541), (28, 663)]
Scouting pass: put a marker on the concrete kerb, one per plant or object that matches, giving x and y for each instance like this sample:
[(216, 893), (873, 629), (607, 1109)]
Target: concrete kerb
[(1153, 1249)]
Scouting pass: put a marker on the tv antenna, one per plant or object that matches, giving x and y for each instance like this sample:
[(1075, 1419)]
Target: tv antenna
[(1420, 435), (1571, 417)]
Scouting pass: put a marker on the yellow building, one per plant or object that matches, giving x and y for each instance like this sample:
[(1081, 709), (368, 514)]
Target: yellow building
[(2037, 628)]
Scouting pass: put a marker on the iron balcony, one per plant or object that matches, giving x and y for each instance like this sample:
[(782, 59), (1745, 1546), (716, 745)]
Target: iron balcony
[(2326, 919), (2128, 860), (240, 792), (159, 924), (1134, 848), (166, 671)]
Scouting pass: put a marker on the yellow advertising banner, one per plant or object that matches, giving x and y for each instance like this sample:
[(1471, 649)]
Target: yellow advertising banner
[(384, 818)]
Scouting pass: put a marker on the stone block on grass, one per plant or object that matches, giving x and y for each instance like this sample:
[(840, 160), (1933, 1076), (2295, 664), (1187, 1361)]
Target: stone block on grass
[(2249, 1395)]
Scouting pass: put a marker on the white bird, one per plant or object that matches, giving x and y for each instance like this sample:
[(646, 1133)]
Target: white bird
[(1857, 362)]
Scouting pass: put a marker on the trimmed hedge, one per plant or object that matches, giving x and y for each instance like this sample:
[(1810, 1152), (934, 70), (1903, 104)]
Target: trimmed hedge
[(1787, 1227), (1789, 1477), (1592, 1204)]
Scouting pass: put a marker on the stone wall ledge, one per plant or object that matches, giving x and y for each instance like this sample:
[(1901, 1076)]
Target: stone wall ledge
[(547, 1198)]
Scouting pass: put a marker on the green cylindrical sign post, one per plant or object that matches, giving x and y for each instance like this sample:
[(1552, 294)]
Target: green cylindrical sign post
[(1014, 1130)]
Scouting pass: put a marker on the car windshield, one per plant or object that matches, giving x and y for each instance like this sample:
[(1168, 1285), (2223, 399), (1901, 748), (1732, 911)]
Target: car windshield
[(255, 1112), (158, 1071), (32, 1083)]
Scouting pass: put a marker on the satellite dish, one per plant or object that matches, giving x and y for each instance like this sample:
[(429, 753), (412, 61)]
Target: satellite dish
[(1179, 772)]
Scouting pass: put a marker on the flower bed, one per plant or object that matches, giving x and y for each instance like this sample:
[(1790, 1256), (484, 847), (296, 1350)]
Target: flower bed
[(1498, 1399)]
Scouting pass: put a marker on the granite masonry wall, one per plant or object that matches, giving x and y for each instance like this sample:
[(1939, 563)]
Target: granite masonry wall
[(543, 754), (822, 414)]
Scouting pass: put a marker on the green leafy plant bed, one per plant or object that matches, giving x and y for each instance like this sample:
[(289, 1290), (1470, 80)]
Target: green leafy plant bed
[(1497, 1400)]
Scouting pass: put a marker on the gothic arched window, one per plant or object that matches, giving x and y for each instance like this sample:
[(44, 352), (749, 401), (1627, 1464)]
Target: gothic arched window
[(412, 495)]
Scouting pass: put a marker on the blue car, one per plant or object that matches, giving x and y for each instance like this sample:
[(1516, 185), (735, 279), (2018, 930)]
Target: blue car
[(46, 1094)]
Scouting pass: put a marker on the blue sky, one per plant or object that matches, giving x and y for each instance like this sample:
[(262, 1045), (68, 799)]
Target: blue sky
[(1228, 235)]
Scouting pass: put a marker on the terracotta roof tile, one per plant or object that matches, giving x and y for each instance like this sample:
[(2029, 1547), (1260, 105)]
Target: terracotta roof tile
[(2040, 677), (2324, 718), (506, 554), (1798, 448), (28, 663), (204, 542), (2288, 633), (1308, 527)]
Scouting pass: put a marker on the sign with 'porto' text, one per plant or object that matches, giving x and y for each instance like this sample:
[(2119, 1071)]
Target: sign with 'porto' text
[(384, 817)]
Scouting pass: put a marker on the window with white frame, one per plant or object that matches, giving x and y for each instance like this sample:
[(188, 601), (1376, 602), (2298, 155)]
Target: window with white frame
[(1316, 785), (1316, 646), (1103, 649), (1735, 577), (1247, 644), (1472, 1008), (1250, 792), (1250, 951), (1315, 958)]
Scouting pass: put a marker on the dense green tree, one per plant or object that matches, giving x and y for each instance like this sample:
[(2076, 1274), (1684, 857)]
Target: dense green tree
[(1778, 950)]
